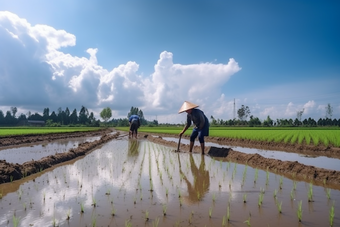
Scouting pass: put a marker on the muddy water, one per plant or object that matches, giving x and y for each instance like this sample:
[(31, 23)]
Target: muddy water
[(136, 180), (38, 151), (319, 161)]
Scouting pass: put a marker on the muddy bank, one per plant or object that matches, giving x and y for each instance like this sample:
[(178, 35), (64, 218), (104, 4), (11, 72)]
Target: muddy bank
[(16, 140), (292, 170), (331, 152), (10, 171)]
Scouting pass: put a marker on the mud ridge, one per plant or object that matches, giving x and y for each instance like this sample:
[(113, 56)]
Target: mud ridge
[(10, 171), (15, 140), (290, 169)]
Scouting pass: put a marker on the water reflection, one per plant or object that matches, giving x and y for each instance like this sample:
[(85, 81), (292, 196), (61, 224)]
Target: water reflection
[(133, 147), (201, 184)]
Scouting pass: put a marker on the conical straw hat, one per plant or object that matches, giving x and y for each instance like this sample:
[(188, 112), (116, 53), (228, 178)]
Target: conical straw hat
[(187, 106)]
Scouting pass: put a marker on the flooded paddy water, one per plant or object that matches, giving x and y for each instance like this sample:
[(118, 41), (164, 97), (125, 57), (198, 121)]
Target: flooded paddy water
[(140, 183)]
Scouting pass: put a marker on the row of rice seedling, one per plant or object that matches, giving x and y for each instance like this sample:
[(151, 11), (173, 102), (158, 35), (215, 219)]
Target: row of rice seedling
[(188, 189)]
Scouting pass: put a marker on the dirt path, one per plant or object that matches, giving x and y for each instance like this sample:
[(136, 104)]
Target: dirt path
[(290, 169)]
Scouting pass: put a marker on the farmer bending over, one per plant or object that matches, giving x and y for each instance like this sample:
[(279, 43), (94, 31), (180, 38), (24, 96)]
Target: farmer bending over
[(134, 122), (200, 121)]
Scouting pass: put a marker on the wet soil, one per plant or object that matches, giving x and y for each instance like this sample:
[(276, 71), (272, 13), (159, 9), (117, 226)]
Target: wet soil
[(14, 171), (290, 169)]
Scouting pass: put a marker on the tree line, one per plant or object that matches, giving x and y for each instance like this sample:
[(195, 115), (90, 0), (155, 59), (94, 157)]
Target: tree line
[(244, 112), (53, 119)]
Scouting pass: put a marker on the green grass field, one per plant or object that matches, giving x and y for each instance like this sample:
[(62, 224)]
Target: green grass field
[(7, 131), (310, 136)]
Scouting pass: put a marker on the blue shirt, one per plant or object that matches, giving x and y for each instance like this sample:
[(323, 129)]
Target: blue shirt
[(133, 117)]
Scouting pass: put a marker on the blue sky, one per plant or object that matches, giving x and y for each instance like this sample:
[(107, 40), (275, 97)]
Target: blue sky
[(277, 57)]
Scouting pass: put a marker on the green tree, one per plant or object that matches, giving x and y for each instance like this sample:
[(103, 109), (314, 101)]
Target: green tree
[(329, 111), (46, 113), (83, 115), (106, 114), (74, 117), (243, 112), (14, 110)]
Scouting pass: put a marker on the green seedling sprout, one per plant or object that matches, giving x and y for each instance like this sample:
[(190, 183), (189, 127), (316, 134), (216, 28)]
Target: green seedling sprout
[(155, 222), (245, 198), (224, 220), (228, 212), (166, 192), (113, 210), (24, 205), (310, 193), (68, 214), (281, 182), (164, 209), (275, 193), (94, 220), (256, 175), (248, 220), (198, 195), (94, 203), (15, 220), (279, 207), (292, 194), (331, 215), (128, 223), (267, 176), (260, 199), (146, 215), (328, 192), (294, 185), (81, 207), (210, 211), (214, 197), (299, 211)]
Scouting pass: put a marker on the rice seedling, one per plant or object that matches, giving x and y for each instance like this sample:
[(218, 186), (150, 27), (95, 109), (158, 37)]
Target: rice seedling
[(245, 198), (68, 214), (248, 220), (310, 193), (1, 194), (146, 215), (108, 192), (113, 210), (260, 201), (164, 209), (328, 193), (24, 206), (166, 192), (198, 196), (179, 193), (279, 207), (275, 193), (190, 217), (281, 182), (94, 202), (15, 221), (224, 220), (155, 222), (331, 215), (180, 202), (94, 220), (299, 211), (292, 194), (128, 223), (256, 175), (54, 222), (11, 178), (228, 213), (210, 211), (267, 176), (81, 207), (294, 185), (214, 198)]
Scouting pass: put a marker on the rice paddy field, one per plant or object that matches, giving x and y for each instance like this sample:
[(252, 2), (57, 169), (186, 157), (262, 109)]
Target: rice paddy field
[(129, 182), (11, 131), (309, 136)]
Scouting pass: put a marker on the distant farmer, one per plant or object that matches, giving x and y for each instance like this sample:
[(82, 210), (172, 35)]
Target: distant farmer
[(200, 121), (134, 122)]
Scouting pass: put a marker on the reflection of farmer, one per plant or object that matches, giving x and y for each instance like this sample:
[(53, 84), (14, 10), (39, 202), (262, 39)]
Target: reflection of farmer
[(200, 121), (201, 181), (133, 148), (134, 122)]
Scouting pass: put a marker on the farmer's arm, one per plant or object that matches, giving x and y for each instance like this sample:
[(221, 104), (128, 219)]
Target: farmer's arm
[(186, 126)]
